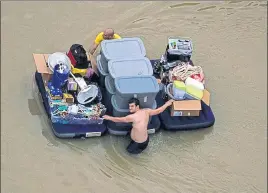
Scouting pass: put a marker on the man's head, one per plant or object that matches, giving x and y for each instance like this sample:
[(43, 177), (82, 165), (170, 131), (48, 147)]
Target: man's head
[(108, 34), (134, 105)]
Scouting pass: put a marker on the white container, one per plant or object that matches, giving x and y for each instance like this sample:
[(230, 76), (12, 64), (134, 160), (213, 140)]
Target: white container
[(195, 83)]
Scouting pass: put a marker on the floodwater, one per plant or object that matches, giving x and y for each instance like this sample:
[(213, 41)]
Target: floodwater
[(230, 43)]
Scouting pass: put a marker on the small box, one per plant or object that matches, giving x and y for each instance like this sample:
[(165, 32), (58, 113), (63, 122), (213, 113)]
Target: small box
[(68, 98), (186, 108), (72, 85)]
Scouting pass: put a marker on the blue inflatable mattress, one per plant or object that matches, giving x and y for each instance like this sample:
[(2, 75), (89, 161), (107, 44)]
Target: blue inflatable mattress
[(68, 130), (206, 118)]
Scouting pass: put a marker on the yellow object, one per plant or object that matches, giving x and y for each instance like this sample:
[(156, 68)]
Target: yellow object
[(194, 92), (179, 85), (82, 72), (100, 38), (68, 98)]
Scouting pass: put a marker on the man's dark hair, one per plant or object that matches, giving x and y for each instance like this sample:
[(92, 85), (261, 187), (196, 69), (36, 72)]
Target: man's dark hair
[(135, 101)]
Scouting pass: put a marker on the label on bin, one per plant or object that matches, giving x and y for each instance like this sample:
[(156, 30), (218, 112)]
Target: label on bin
[(93, 134), (145, 99)]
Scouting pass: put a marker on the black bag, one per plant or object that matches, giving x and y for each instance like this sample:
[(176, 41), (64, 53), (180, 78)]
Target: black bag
[(173, 57), (78, 56)]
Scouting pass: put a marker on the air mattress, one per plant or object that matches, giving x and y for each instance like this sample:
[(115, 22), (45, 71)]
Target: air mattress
[(68, 130), (206, 118)]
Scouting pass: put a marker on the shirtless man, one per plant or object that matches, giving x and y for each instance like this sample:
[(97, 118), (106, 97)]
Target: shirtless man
[(139, 119)]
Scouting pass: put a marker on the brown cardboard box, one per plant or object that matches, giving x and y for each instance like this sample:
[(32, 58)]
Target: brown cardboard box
[(68, 98), (186, 108), (40, 63), (206, 97), (41, 66)]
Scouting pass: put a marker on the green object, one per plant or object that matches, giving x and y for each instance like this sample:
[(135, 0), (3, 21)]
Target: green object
[(179, 85), (194, 92), (62, 108)]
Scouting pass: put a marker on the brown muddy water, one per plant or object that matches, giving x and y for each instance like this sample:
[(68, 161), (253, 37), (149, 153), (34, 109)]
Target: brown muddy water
[(230, 43)]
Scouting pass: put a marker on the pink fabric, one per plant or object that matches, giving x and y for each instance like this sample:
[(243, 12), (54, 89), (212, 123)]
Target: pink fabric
[(89, 73)]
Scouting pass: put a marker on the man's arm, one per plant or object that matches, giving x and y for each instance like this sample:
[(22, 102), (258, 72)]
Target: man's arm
[(93, 48), (96, 43), (126, 119), (93, 63), (159, 110)]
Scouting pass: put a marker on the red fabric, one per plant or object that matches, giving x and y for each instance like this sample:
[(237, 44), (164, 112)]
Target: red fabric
[(70, 55), (198, 77)]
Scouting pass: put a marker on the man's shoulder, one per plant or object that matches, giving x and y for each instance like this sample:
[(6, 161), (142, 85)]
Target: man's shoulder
[(116, 36), (99, 38)]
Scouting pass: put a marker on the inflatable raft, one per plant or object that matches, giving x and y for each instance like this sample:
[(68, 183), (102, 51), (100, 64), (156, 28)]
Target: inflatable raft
[(63, 130), (123, 74)]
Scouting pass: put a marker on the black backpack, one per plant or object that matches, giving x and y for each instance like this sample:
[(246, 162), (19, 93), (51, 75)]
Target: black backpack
[(78, 56)]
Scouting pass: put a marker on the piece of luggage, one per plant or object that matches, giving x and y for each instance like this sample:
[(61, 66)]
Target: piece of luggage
[(78, 56), (182, 50)]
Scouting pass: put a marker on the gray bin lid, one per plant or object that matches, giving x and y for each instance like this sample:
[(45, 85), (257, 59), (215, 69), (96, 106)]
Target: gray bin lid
[(121, 48), (130, 67), (137, 84)]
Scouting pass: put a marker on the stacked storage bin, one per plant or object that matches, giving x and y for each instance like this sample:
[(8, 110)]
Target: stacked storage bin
[(127, 73)]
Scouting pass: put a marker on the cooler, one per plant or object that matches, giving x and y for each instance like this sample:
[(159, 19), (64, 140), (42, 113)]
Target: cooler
[(121, 48), (144, 88), (102, 73)]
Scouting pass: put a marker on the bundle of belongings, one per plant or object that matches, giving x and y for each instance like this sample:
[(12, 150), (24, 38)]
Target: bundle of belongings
[(74, 97), (182, 81)]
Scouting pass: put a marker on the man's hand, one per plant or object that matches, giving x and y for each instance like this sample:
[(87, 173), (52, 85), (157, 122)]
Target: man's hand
[(106, 117), (168, 103)]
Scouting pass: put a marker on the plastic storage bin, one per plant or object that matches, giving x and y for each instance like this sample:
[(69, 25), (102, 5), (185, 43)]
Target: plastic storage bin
[(144, 88), (121, 48), (102, 73), (109, 85), (130, 67)]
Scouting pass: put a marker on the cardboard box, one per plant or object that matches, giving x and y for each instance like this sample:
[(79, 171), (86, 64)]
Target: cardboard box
[(206, 97), (68, 98), (186, 108)]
